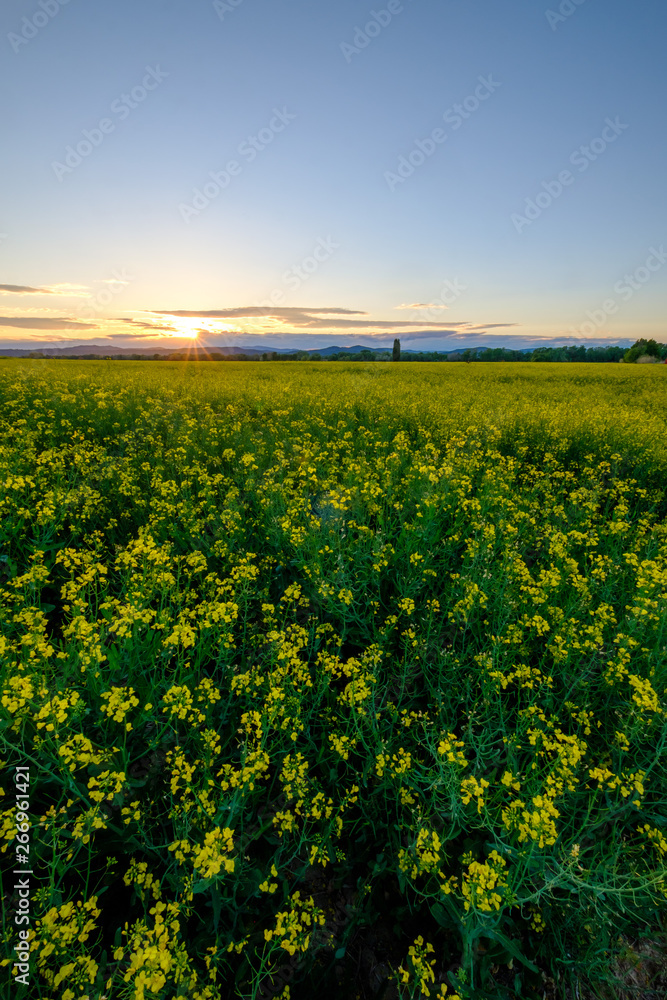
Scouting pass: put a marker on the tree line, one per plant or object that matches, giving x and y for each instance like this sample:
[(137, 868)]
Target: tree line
[(641, 352)]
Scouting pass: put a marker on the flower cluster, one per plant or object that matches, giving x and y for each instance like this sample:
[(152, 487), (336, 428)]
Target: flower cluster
[(281, 642)]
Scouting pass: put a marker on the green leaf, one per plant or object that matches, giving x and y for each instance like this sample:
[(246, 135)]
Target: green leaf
[(445, 913), (216, 902), (510, 946), (201, 886)]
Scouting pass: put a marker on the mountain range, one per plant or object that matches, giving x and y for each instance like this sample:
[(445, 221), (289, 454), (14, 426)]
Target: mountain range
[(107, 350)]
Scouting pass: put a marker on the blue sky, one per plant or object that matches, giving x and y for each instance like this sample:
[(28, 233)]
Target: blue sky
[(451, 172)]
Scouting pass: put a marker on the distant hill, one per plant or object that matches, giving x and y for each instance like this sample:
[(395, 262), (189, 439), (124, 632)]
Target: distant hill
[(112, 351), (81, 350), (64, 352), (195, 351)]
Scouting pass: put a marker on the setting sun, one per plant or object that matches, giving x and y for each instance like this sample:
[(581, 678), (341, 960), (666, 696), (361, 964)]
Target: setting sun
[(189, 327), (184, 327)]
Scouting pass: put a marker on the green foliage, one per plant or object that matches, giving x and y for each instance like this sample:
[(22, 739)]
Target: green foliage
[(642, 348), (502, 354), (578, 353), (311, 663)]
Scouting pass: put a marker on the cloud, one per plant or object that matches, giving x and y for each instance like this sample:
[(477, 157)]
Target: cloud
[(24, 290), (286, 311), (422, 305), (301, 318), (130, 338), (46, 323), (512, 341), (70, 291), (441, 334), (142, 325), (255, 324), (289, 314), (67, 290), (490, 326)]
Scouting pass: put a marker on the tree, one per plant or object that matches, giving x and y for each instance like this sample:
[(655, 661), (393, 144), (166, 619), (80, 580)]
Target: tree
[(396, 352), (643, 348)]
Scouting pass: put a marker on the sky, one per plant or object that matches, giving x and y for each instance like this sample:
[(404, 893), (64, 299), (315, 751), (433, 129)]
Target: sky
[(293, 174)]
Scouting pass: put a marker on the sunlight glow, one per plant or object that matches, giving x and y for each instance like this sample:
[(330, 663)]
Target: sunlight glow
[(190, 327), (183, 326)]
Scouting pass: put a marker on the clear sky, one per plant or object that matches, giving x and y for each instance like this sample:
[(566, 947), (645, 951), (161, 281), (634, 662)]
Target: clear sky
[(299, 174)]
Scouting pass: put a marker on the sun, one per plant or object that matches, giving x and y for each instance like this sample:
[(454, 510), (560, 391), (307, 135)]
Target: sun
[(186, 327), (190, 327)]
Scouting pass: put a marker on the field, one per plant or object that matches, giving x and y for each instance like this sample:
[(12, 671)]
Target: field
[(333, 680)]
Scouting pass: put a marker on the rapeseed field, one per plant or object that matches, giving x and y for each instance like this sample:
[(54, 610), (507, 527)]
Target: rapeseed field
[(332, 680)]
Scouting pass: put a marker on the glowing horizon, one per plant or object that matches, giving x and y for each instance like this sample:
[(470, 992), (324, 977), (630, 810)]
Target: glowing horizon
[(487, 194)]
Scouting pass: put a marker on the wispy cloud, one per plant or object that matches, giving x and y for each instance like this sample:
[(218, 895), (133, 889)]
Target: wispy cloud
[(46, 323), (421, 305), (65, 289), (24, 290), (247, 324), (319, 318), (296, 315), (513, 341), (490, 326), (70, 291), (139, 324)]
